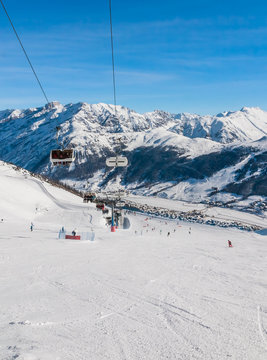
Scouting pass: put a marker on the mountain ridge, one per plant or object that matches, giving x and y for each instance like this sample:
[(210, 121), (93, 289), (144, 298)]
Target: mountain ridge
[(162, 148), (101, 113)]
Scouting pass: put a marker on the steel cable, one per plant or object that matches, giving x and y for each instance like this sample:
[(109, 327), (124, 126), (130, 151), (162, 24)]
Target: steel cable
[(25, 53), (112, 51)]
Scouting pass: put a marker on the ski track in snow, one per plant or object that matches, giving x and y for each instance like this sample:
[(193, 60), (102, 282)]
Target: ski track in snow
[(262, 330), (125, 295), (50, 196)]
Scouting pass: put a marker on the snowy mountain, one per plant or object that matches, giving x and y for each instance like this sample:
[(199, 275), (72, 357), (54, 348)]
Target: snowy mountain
[(246, 124), (180, 156)]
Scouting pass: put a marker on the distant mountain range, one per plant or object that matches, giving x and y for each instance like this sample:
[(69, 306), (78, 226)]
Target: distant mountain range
[(179, 156)]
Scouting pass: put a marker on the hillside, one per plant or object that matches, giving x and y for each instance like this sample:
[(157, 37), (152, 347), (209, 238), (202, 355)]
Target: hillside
[(133, 292)]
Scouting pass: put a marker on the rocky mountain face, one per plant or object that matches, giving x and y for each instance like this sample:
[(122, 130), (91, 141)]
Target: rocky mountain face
[(183, 156)]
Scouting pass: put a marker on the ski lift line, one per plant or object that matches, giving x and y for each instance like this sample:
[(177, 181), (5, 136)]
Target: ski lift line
[(118, 160), (112, 52), (25, 53)]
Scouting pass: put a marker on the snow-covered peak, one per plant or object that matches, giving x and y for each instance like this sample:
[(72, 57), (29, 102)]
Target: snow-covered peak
[(251, 109), (244, 125), (6, 115)]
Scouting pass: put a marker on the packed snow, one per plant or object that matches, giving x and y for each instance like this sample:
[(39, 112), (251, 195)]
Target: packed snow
[(133, 294)]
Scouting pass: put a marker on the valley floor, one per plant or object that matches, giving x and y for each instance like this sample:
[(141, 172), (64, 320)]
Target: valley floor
[(133, 294)]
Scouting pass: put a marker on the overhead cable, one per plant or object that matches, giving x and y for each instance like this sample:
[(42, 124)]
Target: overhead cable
[(25, 53), (112, 51)]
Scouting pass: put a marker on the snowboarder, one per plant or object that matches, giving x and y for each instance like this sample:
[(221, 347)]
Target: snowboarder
[(168, 233), (230, 243), (73, 233)]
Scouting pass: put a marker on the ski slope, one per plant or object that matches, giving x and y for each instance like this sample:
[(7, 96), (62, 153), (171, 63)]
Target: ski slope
[(133, 294)]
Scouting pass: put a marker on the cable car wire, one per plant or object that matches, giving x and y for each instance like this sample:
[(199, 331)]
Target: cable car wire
[(112, 51), (25, 53)]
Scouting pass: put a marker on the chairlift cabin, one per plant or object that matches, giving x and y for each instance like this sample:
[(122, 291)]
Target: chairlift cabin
[(117, 193), (89, 197), (120, 204), (86, 199), (117, 161), (62, 157), (100, 206)]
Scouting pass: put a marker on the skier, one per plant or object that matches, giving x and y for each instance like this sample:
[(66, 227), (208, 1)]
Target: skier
[(74, 233), (230, 243), (168, 233), (31, 226)]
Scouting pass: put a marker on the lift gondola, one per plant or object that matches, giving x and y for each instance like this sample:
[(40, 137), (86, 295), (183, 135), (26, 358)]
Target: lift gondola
[(120, 204), (117, 161), (62, 157), (89, 197), (100, 206)]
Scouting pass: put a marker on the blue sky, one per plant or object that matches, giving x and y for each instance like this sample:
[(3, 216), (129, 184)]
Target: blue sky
[(179, 56)]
